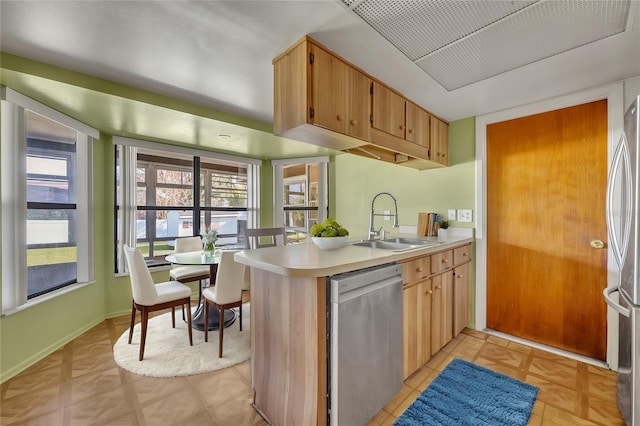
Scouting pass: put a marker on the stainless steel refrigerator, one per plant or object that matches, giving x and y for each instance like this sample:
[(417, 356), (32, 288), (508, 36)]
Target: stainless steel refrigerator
[(623, 195)]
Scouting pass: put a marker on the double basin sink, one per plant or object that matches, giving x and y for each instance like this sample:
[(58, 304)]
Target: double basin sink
[(396, 243)]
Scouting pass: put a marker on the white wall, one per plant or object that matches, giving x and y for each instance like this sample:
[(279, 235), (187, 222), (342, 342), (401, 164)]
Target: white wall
[(631, 90)]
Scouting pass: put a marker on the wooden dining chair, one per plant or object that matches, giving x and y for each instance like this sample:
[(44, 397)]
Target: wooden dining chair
[(266, 237), (226, 294), (150, 297)]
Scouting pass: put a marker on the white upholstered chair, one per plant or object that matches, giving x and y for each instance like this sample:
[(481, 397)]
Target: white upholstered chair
[(149, 297), (226, 294), (188, 273)]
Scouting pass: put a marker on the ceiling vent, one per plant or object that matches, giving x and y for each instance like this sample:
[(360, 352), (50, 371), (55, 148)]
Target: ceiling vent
[(462, 42)]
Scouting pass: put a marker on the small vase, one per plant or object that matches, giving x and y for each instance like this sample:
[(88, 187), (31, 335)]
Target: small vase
[(442, 234), (209, 248)]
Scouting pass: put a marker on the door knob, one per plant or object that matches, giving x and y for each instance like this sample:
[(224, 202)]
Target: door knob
[(597, 244)]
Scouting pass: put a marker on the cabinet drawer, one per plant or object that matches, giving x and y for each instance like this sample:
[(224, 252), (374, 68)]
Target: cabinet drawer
[(462, 254), (441, 261), (415, 270)]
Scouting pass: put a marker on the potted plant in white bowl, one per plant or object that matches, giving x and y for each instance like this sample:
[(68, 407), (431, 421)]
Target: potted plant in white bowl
[(329, 235), (442, 230)]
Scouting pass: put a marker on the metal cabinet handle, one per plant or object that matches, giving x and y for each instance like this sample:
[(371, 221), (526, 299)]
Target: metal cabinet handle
[(597, 244)]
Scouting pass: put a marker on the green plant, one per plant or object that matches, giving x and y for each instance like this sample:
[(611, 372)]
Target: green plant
[(328, 229), (444, 224)]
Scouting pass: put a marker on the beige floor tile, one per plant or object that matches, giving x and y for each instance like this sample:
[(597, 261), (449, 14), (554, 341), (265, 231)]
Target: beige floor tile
[(173, 408), (465, 350), (554, 394), (405, 403), (93, 385), (498, 367), (555, 416), (554, 371), (152, 388), (502, 354), (604, 411), (440, 361), (98, 410), (418, 377)]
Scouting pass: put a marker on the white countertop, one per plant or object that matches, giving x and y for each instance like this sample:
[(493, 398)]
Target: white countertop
[(308, 260)]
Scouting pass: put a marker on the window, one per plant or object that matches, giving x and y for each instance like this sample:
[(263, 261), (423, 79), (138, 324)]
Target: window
[(300, 195), (163, 203), (46, 185)]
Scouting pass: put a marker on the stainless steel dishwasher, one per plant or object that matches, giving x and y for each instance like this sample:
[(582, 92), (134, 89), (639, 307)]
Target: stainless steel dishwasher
[(364, 343)]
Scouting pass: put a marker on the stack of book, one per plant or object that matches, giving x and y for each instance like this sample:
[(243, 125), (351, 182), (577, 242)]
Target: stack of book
[(428, 224)]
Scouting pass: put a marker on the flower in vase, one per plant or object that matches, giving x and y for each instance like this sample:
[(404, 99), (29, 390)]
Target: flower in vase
[(209, 237)]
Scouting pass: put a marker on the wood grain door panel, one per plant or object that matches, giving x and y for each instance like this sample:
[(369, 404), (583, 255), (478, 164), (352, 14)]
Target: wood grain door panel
[(546, 180)]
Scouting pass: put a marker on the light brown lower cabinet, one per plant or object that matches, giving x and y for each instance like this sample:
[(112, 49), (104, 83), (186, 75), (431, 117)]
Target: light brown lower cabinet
[(441, 311), (461, 297), (416, 304), (436, 299)]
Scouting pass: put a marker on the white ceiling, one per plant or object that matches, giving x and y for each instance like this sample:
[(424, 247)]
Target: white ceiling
[(218, 53)]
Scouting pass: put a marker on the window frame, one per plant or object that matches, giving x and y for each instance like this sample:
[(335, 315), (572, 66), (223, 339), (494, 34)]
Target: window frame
[(126, 215), (14, 201), (279, 181)]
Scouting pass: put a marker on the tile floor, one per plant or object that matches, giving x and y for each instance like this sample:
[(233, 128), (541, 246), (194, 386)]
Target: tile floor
[(81, 385)]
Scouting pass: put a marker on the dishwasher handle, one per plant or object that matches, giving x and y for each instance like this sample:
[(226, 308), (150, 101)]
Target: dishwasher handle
[(346, 296)]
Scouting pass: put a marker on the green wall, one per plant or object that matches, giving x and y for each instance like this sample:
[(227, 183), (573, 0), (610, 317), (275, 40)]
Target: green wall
[(358, 180)]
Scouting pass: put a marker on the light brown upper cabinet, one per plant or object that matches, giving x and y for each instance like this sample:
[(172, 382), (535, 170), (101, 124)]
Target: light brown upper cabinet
[(439, 141), (340, 95), (318, 98), (418, 123), (388, 111), (322, 99)]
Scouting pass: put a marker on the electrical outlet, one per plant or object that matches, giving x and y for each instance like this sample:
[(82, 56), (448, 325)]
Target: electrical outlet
[(465, 215), (451, 214), (387, 215)]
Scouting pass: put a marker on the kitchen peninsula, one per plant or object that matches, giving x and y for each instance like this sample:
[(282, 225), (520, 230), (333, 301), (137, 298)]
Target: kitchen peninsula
[(289, 318)]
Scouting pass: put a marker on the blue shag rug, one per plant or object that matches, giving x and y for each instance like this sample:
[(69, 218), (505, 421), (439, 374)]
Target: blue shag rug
[(467, 394)]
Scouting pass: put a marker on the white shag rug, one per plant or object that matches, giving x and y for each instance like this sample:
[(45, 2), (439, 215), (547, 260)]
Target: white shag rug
[(167, 352)]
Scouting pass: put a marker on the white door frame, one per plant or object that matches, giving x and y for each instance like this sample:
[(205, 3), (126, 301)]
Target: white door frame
[(614, 93)]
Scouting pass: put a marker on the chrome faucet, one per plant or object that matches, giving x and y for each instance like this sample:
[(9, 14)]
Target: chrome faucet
[(372, 231)]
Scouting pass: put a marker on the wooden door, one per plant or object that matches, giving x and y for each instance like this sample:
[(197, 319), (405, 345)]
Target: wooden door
[(388, 111), (329, 91), (417, 121), (358, 104), (546, 180)]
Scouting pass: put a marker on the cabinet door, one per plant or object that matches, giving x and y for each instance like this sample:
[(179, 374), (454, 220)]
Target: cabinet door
[(388, 111), (439, 141), (461, 297), (358, 104), (441, 311), (329, 91), (416, 348), (418, 122)]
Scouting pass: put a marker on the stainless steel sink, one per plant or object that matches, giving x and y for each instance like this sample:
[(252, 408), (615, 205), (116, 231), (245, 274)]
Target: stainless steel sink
[(395, 244), (411, 241)]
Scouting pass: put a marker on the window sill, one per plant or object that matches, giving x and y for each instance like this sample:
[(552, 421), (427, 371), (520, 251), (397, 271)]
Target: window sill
[(45, 298)]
